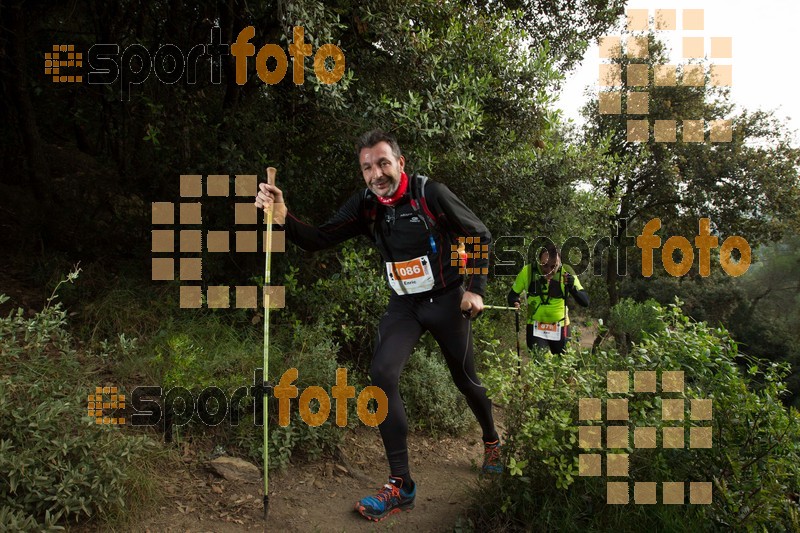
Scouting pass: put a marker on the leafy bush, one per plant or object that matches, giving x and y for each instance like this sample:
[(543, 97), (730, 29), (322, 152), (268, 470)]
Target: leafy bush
[(754, 463), (348, 303), (57, 465), (635, 319), (431, 398)]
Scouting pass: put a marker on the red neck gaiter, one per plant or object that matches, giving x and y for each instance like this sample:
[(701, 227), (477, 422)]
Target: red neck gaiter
[(401, 190)]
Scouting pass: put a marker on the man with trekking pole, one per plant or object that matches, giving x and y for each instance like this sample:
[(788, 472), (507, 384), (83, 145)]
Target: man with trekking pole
[(415, 223)]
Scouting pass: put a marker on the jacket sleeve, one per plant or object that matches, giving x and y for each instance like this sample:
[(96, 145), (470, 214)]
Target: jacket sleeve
[(462, 222), (520, 285), (345, 224), (577, 291)]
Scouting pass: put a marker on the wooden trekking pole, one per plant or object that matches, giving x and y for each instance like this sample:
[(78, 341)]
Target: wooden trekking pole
[(519, 356), (271, 172)]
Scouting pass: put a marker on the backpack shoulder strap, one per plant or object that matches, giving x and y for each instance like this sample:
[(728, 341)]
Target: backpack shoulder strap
[(418, 200)]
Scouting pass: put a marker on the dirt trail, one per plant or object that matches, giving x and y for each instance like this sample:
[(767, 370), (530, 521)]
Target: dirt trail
[(319, 495)]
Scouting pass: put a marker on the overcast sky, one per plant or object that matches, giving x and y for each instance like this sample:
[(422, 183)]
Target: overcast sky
[(763, 63)]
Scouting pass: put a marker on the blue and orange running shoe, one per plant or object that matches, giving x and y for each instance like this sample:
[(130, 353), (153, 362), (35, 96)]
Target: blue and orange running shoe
[(391, 499), (492, 462)]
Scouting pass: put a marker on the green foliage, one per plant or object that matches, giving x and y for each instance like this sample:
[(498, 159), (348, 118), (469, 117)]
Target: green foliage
[(347, 302), (747, 187), (634, 319), (765, 321), (313, 352), (432, 400), (754, 462), (58, 466)]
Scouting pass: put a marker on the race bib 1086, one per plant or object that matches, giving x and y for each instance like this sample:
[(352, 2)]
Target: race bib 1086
[(409, 277)]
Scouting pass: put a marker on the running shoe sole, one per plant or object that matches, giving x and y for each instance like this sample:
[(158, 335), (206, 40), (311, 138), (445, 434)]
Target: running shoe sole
[(377, 518)]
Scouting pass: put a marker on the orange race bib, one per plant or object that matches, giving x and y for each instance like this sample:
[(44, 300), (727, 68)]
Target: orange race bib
[(551, 332), (409, 277)]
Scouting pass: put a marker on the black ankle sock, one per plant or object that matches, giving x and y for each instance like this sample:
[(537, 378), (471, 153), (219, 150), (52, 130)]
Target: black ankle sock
[(407, 482)]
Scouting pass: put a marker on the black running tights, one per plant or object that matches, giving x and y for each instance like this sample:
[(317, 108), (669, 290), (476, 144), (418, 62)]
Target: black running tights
[(405, 320)]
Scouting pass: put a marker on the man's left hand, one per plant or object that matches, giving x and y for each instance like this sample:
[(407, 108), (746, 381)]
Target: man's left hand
[(569, 282), (472, 304)]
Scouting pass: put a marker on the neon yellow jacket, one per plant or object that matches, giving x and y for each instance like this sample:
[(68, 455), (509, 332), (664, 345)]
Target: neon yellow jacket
[(548, 306)]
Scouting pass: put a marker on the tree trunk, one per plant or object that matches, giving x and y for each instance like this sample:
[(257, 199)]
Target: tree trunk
[(38, 171)]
